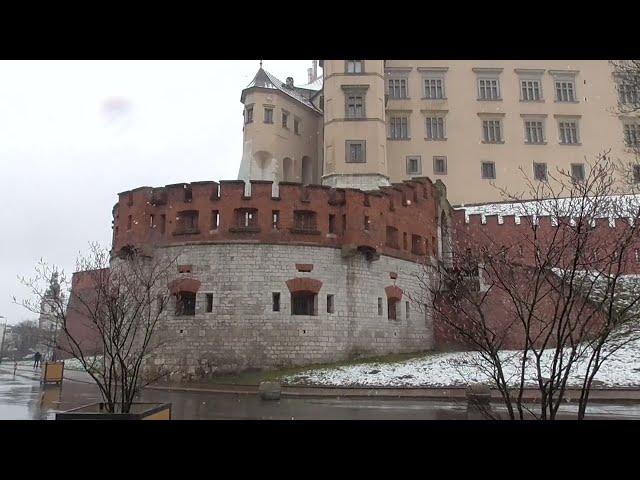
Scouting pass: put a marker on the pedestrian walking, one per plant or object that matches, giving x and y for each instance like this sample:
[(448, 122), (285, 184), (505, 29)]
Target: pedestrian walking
[(36, 360)]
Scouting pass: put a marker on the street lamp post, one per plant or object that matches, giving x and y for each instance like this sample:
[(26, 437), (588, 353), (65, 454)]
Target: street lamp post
[(4, 331)]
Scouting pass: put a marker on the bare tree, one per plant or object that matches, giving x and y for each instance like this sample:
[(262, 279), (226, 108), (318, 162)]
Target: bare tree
[(556, 289), (26, 335), (111, 324)]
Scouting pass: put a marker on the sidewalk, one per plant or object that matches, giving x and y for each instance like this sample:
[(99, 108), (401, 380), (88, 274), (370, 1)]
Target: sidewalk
[(599, 395)]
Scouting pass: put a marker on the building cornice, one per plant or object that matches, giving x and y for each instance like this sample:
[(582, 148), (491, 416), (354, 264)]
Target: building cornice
[(432, 69), (364, 74), (487, 70)]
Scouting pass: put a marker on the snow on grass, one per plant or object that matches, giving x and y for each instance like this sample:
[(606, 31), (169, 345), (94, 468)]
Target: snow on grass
[(75, 364), (622, 369)]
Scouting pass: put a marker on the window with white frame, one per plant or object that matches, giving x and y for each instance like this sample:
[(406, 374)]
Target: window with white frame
[(354, 66), (540, 171), (399, 127), (530, 90), (398, 87), (492, 131), (565, 86), (414, 165), (488, 89), (440, 165), (355, 151), (534, 131), (568, 131), (435, 127), (433, 87), (632, 134), (488, 170), (577, 172)]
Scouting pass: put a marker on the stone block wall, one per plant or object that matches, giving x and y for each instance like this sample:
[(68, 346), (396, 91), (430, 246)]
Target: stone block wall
[(243, 332)]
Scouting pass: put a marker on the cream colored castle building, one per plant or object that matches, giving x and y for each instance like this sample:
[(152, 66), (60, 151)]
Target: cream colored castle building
[(477, 125)]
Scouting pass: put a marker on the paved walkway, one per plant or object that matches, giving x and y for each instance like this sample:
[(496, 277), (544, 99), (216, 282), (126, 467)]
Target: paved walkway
[(598, 395)]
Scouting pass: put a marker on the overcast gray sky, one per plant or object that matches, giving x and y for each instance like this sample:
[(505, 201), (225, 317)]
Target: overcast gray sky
[(75, 133)]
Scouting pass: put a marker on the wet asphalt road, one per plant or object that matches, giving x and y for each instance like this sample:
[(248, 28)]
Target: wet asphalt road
[(22, 398)]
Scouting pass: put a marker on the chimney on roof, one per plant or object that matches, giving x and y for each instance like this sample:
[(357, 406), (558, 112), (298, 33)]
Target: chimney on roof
[(315, 70), (310, 73), (290, 82)]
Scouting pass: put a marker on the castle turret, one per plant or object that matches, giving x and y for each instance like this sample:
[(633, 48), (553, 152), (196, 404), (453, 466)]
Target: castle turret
[(354, 124)]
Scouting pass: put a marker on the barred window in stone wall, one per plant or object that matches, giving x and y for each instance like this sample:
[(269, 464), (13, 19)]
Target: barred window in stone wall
[(305, 220), (186, 303), (636, 174), (439, 166), (355, 106), (303, 303), (488, 170)]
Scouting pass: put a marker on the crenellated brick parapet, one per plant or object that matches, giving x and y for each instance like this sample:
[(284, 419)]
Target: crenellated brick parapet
[(515, 235), (399, 221)]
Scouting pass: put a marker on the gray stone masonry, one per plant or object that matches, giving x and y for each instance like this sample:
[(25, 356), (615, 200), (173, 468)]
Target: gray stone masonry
[(243, 332)]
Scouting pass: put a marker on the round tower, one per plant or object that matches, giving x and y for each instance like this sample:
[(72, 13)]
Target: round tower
[(354, 124)]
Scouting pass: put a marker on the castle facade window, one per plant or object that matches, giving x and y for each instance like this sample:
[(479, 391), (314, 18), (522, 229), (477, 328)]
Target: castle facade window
[(534, 131), (435, 127), (577, 172), (629, 91), (565, 86), (399, 127), (492, 131), (187, 222), (398, 88), (488, 84), (568, 131), (433, 86), (304, 221), (540, 171), (304, 303), (488, 170), (414, 165), (285, 119), (354, 66), (632, 134), (636, 174), (268, 114), (246, 219), (440, 165), (186, 303), (248, 115), (355, 101), (356, 151)]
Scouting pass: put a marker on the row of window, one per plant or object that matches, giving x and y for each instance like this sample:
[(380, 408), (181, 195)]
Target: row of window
[(302, 303), (488, 87), (492, 130), (246, 219), (268, 118)]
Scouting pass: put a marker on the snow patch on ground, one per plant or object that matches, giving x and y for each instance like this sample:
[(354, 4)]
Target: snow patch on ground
[(622, 369)]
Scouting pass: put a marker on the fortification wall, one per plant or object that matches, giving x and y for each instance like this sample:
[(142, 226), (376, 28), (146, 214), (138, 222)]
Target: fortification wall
[(348, 218), (243, 331), (515, 235)]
